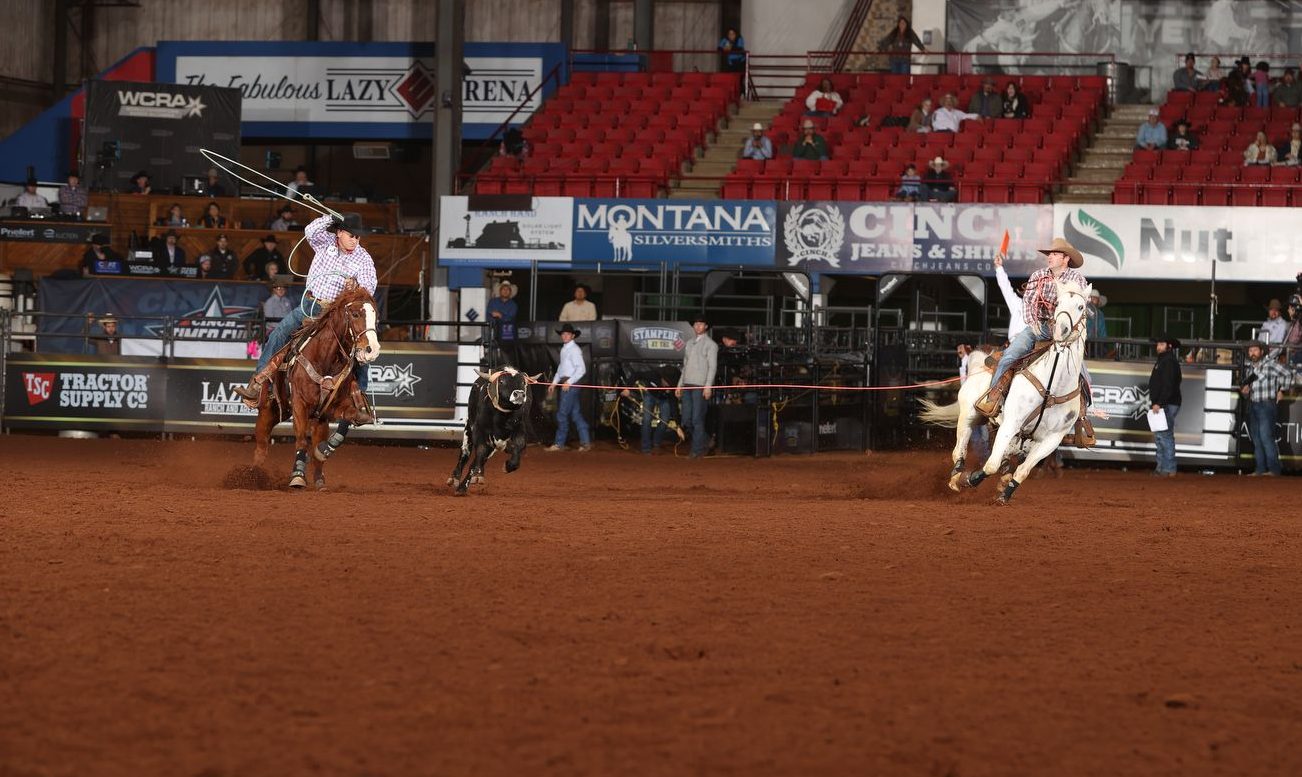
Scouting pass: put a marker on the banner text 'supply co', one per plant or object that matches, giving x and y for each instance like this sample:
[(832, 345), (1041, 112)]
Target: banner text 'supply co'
[(315, 89), (1182, 243), (887, 237), (503, 228), (647, 232)]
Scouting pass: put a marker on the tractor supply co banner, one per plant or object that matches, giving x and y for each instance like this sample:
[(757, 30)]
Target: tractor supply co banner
[(308, 89), (159, 128), (413, 386)]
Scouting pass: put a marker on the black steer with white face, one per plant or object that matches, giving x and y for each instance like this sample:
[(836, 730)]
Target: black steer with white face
[(497, 418)]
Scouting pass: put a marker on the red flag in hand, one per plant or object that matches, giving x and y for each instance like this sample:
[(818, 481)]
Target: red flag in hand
[(1003, 246)]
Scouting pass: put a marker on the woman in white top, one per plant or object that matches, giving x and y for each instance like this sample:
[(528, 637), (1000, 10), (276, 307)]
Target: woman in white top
[(1261, 152), (825, 91)]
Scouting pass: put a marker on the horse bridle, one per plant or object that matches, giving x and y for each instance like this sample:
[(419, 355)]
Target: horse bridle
[(1077, 329)]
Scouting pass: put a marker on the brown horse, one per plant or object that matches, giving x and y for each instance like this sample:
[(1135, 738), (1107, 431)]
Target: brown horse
[(318, 385)]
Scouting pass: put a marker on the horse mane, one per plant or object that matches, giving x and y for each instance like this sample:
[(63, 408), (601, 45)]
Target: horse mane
[(349, 296)]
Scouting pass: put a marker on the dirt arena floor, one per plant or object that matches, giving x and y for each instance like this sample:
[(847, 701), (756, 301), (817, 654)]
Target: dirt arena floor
[(610, 614)]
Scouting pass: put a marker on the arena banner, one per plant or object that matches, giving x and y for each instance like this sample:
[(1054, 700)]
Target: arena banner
[(1139, 32), (659, 340), (879, 237), (51, 391), (681, 232), (51, 232), (319, 89), (159, 128), (1182, 243), (1288, 426), (505, 228)]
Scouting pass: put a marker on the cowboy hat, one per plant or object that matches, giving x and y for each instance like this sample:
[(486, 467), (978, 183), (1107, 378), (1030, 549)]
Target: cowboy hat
[(108, 318), (700, 317), (757, 127), (1274, 305), (1168, 339), (1074, 257), (938, 162), (568, 327), (1103, 300), (280, 280), (352, 224), (514, 289)]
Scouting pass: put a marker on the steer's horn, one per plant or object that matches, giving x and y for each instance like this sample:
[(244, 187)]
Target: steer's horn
[(536, 378), (484, 375)]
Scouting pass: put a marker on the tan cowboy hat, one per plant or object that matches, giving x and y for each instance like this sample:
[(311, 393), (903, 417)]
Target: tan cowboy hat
[(1103, 299), (757, 126), (1274, 305), (514, 289), (1074, 257), (939, 162)]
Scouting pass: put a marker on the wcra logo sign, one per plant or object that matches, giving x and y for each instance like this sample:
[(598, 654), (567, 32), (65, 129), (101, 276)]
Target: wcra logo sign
[(39, 385), (158, 105)]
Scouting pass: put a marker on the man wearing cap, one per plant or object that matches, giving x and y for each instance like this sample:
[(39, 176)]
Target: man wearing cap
[(1152, 133), (1262, 388), (100, 258), (810, 145), (757, 146), (1164, 394), (987, 103), (278, 305), (1038, 303), (569, 372), (938, 183), (255, 264), (1182, 139), (502, 311), (339, 260), (695, 384), (1274, 329), (29, 198)]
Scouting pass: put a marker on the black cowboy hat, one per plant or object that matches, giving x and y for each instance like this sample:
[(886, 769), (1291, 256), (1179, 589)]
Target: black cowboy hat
[(352, 224), (99, 239), (1168, 339), (269, 239), (141, 174), (700, 317), (568, 327)]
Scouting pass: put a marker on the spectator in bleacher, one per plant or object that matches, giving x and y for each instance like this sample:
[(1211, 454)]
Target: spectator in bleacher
[(1263, 386), (1288, 92), (1152, 133), (1261, 84), (167, 254), (214, 187), (203, 267), (811, 145), (100, 258), (278, 305), (223, 258), (920, 120), (1260, 152), (285, 221), (900, 43), (301, 181), (513, 144), (733, 48), (1237, 89), (29, 198), (938, 183), (757, 146), (1016, 104), (1187, 78), (140, 184), (174, 217), (212, 217), (108, 342), (1244, 69), (824, 101), (255, 264), (579, 308), (1290, 151), (73, 198), (1182, 139), (986, 103), (948, 118), (1215, 77), (910, 185)]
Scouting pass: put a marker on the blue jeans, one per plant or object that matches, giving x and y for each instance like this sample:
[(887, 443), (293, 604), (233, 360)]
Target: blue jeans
[(1263, 98), (1165, 442), (567, 409), (694, 405), (980, 441), (650, 403), (285, 330), (1019, 347), (1261, 428), (900, 66)]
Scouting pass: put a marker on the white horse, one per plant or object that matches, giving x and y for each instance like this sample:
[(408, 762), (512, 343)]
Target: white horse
[(621, 241), (1041, 407)]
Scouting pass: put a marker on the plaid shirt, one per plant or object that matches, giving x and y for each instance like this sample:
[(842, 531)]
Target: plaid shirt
[(72, 200), (1041, 296), (330, 267), (1272, 378)]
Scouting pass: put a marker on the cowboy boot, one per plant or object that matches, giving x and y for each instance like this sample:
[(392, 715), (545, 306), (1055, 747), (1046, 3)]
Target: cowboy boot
[(252, 393), (990, 404), (362, 411)]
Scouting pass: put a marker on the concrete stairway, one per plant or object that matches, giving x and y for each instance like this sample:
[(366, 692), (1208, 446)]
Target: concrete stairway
[(702, 181), (1106, 158)]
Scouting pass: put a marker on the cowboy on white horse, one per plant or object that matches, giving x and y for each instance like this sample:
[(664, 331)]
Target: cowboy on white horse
[(1038, 303)]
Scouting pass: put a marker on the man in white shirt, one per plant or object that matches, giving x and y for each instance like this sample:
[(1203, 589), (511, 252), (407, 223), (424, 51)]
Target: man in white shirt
[(700, 362), (1274, 329), (29, 198), (569, 372), (948, 118), (579, 308), (301, 182)]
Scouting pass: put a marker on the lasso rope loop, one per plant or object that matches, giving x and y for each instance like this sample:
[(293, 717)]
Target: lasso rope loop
[(806, 386)]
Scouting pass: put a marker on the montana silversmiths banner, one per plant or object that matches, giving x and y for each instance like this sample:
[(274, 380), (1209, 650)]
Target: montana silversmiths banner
[(683, 232), (491, 229), (876, 238), (159, 128), (1182, 243)]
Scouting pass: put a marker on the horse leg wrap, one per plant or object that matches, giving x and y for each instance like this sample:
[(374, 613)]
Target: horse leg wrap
[(298, 478), (975, 478), (1008, 491), (331, 443), (958, 467)]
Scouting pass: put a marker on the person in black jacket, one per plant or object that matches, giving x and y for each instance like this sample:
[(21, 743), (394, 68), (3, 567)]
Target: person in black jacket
[(255, 264), (1164, 394)]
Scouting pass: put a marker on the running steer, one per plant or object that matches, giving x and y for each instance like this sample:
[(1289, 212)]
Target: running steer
[(497, 418)]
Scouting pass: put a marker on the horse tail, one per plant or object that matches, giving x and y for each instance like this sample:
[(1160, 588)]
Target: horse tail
[(939, 415)]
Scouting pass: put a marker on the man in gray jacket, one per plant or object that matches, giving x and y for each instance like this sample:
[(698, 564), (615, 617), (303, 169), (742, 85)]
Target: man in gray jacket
[(700, 360)]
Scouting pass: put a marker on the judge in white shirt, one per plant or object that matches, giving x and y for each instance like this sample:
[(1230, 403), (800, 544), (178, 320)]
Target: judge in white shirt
[(579, 308), (29, 198), (569, 372), (948, 118)]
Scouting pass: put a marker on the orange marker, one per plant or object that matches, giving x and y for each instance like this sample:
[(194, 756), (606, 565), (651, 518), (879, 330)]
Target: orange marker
[(1003, 246)]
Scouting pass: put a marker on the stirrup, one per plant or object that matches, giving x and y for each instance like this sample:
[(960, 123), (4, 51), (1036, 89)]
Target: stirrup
[(250, 394)]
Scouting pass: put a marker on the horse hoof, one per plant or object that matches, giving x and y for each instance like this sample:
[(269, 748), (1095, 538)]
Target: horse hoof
[(321, 484), (477, 480), (956, 482), (298, 481), (1001, 502), (459, 492), (452, 481)]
